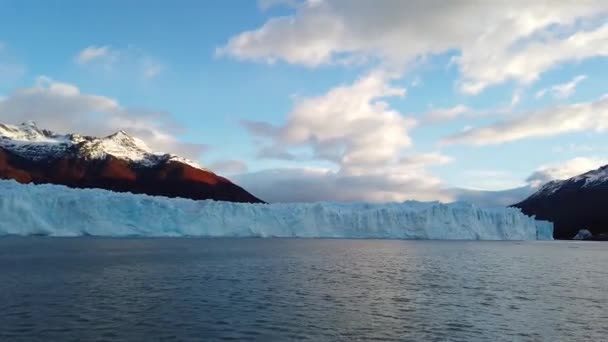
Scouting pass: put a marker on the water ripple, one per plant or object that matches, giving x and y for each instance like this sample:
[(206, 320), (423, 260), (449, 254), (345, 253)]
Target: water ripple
[(316, 290)]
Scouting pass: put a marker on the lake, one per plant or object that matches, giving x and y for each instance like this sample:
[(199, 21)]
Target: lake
[(186, 289)]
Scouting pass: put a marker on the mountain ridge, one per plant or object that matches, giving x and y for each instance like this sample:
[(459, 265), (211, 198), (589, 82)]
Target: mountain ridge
[(117, 162), (572, 204)]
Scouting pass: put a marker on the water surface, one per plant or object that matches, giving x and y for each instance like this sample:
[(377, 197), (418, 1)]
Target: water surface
[(74, 289)]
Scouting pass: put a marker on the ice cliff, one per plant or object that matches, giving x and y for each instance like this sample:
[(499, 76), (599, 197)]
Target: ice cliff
[(60, 211)]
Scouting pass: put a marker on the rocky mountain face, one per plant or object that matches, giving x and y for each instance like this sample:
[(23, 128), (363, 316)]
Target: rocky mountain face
[(572, 204), (118, 162)]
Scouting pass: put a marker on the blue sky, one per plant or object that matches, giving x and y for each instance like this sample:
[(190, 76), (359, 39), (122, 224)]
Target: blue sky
[(195, 77)]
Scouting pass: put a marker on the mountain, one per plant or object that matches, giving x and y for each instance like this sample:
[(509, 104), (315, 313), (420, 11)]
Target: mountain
[(572, 204), (118, 162)]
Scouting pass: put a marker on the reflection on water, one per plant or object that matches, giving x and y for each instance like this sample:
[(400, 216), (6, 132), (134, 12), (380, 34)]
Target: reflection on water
[(283, 289)]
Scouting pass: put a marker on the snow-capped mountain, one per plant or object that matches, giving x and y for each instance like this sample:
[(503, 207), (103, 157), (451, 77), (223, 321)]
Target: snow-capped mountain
[(589, 179), (117, 162), (31, 142), (572, 204)]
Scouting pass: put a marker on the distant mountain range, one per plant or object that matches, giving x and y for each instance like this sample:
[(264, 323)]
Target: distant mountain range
[(118, 162), (572, 204)]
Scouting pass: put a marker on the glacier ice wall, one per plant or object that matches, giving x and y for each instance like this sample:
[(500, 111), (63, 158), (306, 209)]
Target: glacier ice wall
[(60, 211)]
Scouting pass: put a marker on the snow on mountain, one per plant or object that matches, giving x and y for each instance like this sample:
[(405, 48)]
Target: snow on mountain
[(594, 177), (60, 211), (586, 180), (29, 141), (572, 204), (118, 162), (33, 143)]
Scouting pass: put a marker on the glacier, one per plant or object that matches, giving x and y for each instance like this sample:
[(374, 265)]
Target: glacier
[(54, 210)]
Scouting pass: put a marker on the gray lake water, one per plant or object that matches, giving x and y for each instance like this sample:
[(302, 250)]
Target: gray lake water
[(93, 289)]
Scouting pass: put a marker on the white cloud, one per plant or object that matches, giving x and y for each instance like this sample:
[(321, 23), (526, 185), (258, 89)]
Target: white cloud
[(95, 53), (119, 61), (564, 90), (350, 125), (527, 64), (551, 121), (496, 41), (426, 159), (353, 128), (565, 170), (515, 99), (314, 185), (447, 114), (63, 108), (516, 191)]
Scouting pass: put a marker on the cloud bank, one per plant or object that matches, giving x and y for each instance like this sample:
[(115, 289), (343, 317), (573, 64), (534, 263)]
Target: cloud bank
[(497, 41), (62, 107), (565, 170), (353, 128), (546, 122)]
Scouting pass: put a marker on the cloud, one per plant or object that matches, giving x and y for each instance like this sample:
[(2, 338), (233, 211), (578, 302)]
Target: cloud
[(62, 107), (426, 159), (350, 125), (229, 166), (564, 90), (528, 63), (565, 170), (95, 53), (354, 129), (542, 175), (119, 61), (446, 114), (551, 121), (494, 42), (315, 185), (515, 99)]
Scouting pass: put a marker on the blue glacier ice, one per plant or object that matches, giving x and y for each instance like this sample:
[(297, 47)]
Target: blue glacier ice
[(60, 211)]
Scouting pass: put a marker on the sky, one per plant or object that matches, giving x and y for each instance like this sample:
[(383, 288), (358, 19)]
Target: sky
[(324, 100)]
